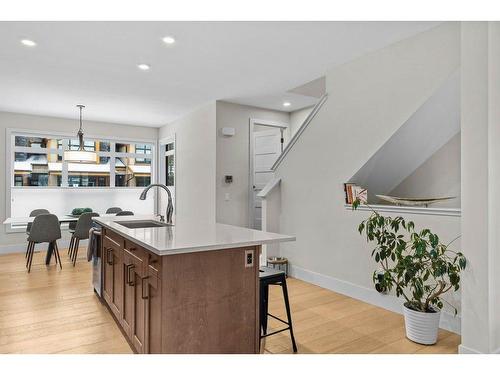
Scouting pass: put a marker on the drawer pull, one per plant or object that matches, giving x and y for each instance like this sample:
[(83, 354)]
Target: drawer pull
[(144, 284), (109, 256), (128, 278)]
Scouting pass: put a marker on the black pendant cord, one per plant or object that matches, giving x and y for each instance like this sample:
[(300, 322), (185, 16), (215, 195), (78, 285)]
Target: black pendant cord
[(80, 131)]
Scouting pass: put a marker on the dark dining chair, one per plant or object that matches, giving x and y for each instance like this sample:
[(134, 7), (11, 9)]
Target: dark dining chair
[(45, 228), (81, 232), (34, 213), (125, 213), (113, 210)]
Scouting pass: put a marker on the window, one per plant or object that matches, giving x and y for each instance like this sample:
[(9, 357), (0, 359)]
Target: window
[(36, 169), (38, 162), (74, 144), (132, 171), (170, 164)]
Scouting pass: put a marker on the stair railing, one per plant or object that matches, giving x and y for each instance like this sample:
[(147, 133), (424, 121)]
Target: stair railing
[(297, 134)]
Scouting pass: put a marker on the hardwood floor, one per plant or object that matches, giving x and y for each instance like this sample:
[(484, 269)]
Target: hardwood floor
[(56, 311), (328, 322), (52, 310)]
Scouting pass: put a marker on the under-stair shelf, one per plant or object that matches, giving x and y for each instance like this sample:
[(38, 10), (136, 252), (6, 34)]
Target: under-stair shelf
[(437, 211)]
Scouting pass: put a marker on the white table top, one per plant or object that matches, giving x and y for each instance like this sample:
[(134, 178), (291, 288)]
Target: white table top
[(190, 236)]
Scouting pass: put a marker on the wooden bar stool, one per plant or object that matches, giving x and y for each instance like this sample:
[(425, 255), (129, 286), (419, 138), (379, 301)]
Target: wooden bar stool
[(269, 276), (278, 263)]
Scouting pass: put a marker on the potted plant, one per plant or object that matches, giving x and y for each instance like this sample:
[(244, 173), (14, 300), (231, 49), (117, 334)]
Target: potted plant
[(417, 265)]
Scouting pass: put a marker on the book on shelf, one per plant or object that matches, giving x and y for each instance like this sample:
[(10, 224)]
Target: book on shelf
[(353, 192), (361, 194), (348, 192)]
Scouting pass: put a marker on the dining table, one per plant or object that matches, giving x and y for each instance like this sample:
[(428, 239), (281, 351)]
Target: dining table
[(62, 219)]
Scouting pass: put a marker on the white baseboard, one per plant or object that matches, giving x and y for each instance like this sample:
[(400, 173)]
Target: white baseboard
[(388, 302), (21, 248), (462, 349)]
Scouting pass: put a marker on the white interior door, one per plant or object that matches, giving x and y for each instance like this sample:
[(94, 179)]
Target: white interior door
[(266, 149)]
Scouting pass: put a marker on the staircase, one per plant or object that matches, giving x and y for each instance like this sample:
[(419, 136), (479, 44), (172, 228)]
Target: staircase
[(395, 96)]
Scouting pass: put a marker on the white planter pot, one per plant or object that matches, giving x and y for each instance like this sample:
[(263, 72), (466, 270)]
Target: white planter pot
[(421, 327)]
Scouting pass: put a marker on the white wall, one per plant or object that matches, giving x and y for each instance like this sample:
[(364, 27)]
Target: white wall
[(48, 124), (431, 126), (480, 48), (62, 201), (195, 165), (271, 204), (439, 176), (233, 158), (297, 118), (369, 99)]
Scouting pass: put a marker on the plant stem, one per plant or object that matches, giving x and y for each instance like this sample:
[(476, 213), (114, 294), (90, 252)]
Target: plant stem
[(434, 295)]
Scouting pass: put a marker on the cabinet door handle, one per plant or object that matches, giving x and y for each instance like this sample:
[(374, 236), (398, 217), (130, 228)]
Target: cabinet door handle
[(126, 273), (133, 248), (109, 259), (128, 278), (144, 283)]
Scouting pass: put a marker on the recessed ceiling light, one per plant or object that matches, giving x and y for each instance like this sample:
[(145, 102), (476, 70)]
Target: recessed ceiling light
[(28, 42), (287, 104), (169, 40), (144, 66)]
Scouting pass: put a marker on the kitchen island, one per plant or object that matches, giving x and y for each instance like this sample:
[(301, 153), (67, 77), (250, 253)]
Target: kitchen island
[(188, 288)]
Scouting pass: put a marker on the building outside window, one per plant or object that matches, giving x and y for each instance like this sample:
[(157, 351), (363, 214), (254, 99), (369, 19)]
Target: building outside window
[(170, 164), (38, 162)]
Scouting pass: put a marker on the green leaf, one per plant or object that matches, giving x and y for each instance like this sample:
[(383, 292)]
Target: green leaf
[(356, 204), (361, 227), (462, 263), (419, 261)]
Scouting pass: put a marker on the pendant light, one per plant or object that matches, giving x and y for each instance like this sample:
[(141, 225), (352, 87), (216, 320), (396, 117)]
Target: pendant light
[(81, 155)]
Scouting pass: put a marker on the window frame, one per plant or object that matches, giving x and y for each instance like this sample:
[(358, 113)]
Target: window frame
[(10, 149), (161, 165), (66, 137)]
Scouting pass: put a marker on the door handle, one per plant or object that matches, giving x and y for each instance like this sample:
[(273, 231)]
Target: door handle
[(144, 283), (109, 259), (128, 279), (126, 273)]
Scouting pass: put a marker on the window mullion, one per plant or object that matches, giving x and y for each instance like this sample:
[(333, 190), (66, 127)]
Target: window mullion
[(112, 163), (64, 172), (140, 163)]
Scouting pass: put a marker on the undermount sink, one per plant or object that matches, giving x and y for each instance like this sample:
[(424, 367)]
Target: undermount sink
[(136, 224)]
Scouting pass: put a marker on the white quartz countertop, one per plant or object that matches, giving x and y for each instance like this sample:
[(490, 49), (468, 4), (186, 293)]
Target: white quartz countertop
[(190, 235)]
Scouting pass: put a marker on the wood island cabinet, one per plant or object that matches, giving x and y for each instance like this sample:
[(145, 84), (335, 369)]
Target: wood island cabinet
[(112, 274), (200, 302)]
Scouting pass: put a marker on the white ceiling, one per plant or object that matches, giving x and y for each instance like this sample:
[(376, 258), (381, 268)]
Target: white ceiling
[(95, 63)]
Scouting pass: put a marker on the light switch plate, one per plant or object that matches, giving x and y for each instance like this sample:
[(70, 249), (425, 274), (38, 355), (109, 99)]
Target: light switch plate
[(228, 132), (249, 258)]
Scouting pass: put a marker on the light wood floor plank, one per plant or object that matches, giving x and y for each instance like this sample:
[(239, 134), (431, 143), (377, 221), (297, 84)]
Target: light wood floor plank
[(56, 311)]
